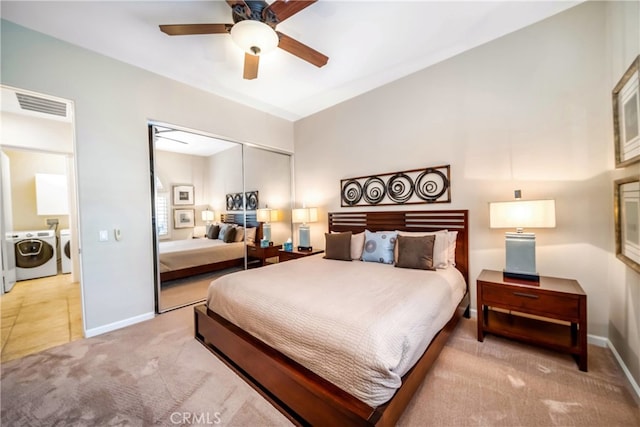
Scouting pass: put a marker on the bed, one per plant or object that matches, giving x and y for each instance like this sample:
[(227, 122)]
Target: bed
[(184, 258), (292, 378)]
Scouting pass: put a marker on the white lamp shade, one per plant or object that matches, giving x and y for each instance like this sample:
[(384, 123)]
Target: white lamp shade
[(304, 215), (266, 215), (250, 34), (523, 214), (208, 215)]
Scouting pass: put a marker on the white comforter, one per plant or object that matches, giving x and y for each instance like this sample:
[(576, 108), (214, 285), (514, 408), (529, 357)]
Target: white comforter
[(359, 325), (179, 254)]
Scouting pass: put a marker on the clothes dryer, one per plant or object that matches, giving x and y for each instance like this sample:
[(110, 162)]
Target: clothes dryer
[(35, 254), (65, 249)]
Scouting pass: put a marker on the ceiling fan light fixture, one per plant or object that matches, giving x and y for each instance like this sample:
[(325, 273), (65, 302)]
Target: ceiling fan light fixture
[(254, 37)]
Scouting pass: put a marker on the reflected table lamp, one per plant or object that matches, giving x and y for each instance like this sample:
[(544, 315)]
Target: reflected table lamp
[(303, 216), (520, 247), (208, 216), (265, 216)]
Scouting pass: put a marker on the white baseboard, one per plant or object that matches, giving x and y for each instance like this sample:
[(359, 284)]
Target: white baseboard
[(118, 325), (626, 371), (600, 342)]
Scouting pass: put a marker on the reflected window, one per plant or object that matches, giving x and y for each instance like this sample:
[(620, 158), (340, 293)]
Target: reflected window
[(162, 215)]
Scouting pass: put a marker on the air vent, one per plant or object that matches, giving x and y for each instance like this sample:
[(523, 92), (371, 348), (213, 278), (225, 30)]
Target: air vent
[(42, 105)]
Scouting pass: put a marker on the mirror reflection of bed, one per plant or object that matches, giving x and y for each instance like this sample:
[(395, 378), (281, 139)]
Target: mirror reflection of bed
[(192, 174), (188, 266)]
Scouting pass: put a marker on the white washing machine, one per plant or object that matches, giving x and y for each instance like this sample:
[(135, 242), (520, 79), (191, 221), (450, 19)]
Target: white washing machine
[(35, 254), (65, 249)]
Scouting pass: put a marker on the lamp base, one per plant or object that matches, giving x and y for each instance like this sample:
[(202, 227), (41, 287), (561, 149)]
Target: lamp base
[(528, 278), (305, 248)]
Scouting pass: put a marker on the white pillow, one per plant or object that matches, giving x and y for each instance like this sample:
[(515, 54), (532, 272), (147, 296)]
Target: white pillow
[(357, 245), (251, 234), (453, 240), (440, 246)]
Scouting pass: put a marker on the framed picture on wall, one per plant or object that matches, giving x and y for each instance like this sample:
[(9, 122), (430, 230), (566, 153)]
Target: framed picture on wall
[(183, 218), (627, 221), (183, 195), (626, 116)]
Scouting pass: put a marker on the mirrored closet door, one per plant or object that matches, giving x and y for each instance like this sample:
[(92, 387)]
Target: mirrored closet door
[(208, 194)]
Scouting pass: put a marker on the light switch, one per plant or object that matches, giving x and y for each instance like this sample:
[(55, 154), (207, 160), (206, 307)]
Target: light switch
[(104, 235)]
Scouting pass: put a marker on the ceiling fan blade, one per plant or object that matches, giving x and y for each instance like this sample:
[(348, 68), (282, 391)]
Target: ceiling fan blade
[(302, 51), (250, 66), (285, 9), (189, 29)]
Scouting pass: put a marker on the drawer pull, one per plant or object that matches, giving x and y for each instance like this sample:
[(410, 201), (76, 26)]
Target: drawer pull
[(522, 294)]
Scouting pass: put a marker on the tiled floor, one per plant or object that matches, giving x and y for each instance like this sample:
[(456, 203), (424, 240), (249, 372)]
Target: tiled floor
[(39, 314)]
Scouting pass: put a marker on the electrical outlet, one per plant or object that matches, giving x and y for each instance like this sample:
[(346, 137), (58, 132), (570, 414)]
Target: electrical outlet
[(52, 221)]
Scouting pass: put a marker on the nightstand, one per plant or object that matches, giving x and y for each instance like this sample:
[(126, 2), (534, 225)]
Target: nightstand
[(261, 254), (289, 255), (550, 313)]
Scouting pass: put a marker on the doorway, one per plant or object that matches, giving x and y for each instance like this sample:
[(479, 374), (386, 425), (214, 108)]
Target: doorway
[(40, 292)]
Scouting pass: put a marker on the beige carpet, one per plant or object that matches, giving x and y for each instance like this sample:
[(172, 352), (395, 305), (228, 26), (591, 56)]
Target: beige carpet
[(155, 373), (180, 292)]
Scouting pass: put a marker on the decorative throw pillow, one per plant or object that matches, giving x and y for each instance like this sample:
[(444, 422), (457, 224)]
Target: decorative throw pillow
[(357, 245), (239, 237), (223, 231), (212, 231), (251, 234), (453, 240), (378, 247), (440, 247), (229, 234), (415, 252), (338, 246)]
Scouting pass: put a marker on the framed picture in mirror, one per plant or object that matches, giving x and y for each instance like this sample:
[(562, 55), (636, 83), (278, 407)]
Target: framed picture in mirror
[(183, 218), (627, 221), (626, 116), (182, 195)]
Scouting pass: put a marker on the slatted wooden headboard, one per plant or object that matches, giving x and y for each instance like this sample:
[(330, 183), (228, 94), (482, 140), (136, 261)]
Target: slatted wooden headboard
[(454, 220), (239, 218)]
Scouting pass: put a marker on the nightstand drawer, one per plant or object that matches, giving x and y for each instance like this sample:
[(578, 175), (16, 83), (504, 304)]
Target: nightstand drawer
[(530, 300)]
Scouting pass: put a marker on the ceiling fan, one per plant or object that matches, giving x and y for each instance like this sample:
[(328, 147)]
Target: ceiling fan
[(254, 30)]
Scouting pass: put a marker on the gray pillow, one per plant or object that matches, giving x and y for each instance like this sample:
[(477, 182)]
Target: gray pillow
[(338, 246), (415, 252), (229, 235), (213, 231)]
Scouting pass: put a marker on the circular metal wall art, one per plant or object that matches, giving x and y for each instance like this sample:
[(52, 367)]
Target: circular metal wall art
[(374, 190), (351, 192), (431, 185), (425, 185), (400, 188)]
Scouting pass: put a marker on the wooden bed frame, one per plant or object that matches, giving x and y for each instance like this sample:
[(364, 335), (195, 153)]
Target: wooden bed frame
[(301, 395), (216, 266)]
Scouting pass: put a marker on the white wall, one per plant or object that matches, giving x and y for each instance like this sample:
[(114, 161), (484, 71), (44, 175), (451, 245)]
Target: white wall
[(24, 166), (113, 104), (22, 131), (270, 174), (224, 177), (184, 169), (529, 111)]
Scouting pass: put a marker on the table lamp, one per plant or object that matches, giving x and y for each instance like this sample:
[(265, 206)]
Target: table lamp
[(303, 216), (208, 216), (266, 215), (520, 247)]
